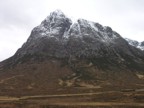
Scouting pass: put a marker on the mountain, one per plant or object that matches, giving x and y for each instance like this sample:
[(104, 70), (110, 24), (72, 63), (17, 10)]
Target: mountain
[(135, 43), (61, 55)]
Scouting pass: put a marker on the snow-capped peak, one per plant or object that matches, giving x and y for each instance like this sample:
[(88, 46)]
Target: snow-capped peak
[(56, 36), (54, 25), (58, 25), (135, 43), (57, 12)]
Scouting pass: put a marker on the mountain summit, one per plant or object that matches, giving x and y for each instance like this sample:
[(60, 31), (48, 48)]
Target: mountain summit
[(60, 53), (84, 35), (57, 27)]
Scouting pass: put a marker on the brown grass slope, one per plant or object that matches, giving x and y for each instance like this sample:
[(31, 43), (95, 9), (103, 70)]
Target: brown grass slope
[(58, 76)]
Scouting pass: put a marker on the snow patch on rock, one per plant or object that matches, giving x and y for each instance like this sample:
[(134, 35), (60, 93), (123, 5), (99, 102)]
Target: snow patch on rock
[(135, 43)]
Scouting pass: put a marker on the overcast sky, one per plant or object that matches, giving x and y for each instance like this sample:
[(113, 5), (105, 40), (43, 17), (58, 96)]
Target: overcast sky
[(19, 17)]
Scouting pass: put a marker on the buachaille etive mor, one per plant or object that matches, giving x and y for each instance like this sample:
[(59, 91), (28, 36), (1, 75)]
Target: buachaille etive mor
[(61, 55)]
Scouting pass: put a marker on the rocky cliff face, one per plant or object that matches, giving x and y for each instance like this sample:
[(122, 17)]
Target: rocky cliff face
[(139, 45), (58, 37), (82, 51)]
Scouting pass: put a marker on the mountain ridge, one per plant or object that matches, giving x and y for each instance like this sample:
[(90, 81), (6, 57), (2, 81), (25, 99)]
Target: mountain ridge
[(139, 45)]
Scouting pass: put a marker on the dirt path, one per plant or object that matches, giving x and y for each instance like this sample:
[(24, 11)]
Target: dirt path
[(64, 95), (61, 95), (3, 80), (74, 95), (98, 104), (5, 98)]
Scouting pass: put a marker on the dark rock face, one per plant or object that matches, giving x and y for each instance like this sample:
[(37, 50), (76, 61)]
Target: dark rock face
[(142, 43), (57, 37)]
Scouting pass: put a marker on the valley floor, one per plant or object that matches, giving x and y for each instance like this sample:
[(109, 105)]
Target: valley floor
[(107, 99)]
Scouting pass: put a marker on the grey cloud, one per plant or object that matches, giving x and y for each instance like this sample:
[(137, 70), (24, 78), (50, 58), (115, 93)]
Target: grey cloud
[(15, 13)]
